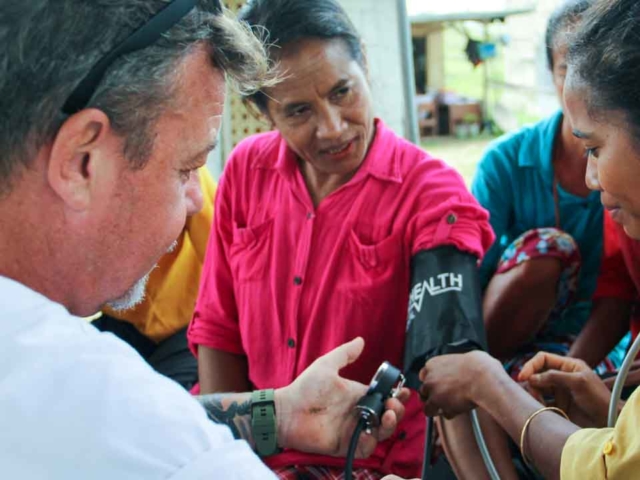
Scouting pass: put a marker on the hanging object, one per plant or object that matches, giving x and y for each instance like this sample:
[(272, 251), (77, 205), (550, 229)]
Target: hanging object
[(473, 52), (478, 52), (487, 50)]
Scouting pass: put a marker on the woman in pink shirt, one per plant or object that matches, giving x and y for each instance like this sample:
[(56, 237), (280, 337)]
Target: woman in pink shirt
[(315, 226)]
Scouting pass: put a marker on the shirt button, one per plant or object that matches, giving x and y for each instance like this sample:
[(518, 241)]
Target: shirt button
[(451, 219), (291, 343), (608, 448), (309, 216), (297, 280)]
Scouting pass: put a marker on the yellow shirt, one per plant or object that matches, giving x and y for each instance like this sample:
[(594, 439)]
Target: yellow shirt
[(173, 286), (607, 453)]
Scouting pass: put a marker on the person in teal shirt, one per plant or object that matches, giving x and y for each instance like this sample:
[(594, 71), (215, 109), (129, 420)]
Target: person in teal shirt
[(518, 183), (539, 276)]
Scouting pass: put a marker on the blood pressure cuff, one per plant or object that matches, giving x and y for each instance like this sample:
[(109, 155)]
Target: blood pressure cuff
[(445, 308)]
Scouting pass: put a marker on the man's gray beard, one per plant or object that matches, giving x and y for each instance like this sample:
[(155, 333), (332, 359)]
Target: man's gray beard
[(132, 297), (135, 295)]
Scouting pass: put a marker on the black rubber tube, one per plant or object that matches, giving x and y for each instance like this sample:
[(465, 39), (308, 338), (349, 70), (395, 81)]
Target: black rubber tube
[(353, 444)]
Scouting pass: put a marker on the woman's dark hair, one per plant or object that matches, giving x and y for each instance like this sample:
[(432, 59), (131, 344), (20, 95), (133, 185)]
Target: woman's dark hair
[(282, 22), (564, 16), (605, 56)]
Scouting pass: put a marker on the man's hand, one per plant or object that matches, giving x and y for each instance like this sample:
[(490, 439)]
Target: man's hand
[(316, 412), (451, 383), (576, 389)]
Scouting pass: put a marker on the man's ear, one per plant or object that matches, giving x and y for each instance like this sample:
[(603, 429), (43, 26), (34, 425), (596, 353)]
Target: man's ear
[(76, 149)]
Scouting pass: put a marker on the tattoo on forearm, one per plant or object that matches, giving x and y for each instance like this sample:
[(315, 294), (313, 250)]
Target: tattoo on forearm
[(224, 410)]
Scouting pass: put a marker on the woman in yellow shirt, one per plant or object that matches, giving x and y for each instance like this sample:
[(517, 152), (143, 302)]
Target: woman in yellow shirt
[(602, 99)]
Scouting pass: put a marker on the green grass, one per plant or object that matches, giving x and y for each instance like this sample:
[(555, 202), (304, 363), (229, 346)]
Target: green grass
[(461, 154)]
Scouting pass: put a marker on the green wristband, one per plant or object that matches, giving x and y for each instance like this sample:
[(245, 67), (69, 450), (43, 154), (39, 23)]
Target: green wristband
[(263, 422)]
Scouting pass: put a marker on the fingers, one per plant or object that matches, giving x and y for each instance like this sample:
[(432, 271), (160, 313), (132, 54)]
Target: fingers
[(540, 362), (394, 412), (404, 395), (563, 399), (424, 371), (561, 386), (548, 361), (388, 425), (553, 379), (423, 391), (431, 409), (535, 393), (345, 354), (395, 405)]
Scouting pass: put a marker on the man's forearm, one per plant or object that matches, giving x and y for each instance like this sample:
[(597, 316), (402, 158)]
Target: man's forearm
[(510, 405), (232, 410)]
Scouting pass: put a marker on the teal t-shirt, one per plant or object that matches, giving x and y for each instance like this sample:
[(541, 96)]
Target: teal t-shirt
[(514, 181)]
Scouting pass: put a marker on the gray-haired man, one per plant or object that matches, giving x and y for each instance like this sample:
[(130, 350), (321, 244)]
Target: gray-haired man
[(107, 110)]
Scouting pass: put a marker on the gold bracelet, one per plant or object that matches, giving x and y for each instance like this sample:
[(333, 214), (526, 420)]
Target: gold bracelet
[(528, 422)]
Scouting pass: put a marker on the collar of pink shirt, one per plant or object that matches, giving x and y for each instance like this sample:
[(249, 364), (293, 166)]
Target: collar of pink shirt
[(376, 162)]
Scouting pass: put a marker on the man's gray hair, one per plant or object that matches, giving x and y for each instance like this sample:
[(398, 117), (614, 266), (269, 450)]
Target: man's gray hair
[(48, 46)]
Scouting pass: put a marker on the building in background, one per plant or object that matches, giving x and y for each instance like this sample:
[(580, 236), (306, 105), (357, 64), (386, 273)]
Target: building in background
[(515, 85)]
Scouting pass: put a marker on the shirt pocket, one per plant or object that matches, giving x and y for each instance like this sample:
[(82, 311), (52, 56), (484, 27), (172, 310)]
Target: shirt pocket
[(250, 250), (373, 271), (377, 259), (373, 290)]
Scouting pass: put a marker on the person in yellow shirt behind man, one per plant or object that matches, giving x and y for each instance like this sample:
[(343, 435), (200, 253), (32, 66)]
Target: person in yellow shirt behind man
[(156, 328)]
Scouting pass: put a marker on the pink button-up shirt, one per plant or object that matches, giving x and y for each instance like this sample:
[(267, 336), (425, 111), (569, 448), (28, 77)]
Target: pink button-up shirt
[(284, 282)]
